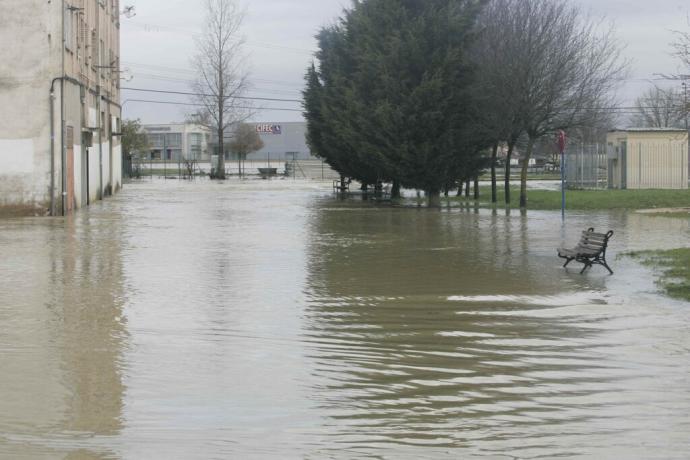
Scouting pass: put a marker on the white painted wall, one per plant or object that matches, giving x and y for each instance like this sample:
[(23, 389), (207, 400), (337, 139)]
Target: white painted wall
[(31, 56), (117, 167), (94, 178), (29, 45), (77, 177), (106, 168)]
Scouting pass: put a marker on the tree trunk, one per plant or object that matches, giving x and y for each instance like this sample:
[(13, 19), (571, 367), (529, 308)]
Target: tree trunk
[(467, 188), (395, 190), (494, 188), (433, 198), (220, 173), (523, 174), (476, 188), (509, 156)]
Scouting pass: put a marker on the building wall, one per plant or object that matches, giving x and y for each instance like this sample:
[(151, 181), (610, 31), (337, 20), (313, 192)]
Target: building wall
[(649, 160), (282, 141), (24, 98), (181, 151), (31, 32)]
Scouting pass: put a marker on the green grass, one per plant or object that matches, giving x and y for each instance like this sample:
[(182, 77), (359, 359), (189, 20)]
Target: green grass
[(530, 177), (591, 199), (675, 269)]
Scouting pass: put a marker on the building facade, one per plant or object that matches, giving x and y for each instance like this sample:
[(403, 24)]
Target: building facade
[(282, 142), (59, 92), (647, 158), (177, 142)]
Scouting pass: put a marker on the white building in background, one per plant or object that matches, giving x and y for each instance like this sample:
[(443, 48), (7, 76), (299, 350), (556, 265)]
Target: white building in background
[(648, 158), (59, 94), (177, 142)]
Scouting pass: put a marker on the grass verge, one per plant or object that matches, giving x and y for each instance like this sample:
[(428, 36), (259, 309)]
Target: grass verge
[(675, 269), (590, 199)]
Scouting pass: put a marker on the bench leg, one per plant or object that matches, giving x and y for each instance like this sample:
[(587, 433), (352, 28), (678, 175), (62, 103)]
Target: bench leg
[(603, 262), (568, 262), (587, 265)]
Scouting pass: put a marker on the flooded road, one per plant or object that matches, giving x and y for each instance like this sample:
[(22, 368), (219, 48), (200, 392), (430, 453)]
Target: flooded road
[(268, 320)]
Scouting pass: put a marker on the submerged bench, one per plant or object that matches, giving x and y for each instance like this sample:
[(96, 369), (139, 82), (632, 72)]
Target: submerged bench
[(590, 251)]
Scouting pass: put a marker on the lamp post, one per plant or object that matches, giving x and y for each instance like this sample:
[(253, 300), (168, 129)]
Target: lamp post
[(561, 139)]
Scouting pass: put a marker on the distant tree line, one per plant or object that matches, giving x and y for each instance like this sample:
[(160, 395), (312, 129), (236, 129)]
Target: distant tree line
[(421, 93)]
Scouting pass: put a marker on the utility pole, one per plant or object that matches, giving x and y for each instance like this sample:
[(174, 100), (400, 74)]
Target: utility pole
[(686, 109)]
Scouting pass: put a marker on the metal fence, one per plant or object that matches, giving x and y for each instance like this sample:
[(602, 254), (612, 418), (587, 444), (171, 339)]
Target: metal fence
[(587, 166)]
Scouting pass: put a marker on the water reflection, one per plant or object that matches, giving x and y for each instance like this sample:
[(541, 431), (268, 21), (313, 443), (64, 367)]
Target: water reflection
[(62, 337), (268, 320), (404, 364)]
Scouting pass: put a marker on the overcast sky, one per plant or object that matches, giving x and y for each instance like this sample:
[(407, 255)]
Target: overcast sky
[(158, 42)]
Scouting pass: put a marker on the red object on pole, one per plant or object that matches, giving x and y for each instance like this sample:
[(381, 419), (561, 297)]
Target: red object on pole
[(562, 140)]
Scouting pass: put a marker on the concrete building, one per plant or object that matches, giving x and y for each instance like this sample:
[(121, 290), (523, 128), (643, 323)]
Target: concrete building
[(644, 158), (59, 93), (177, 142), (282, 142)]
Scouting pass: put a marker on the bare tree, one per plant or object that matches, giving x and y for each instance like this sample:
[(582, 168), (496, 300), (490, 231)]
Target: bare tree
[(498, 88), (221, 78), (682, 47), (660, 108), (245, 141), (566, 70)]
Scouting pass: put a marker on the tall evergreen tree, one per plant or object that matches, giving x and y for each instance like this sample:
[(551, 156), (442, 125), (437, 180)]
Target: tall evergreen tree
[(393, 92)]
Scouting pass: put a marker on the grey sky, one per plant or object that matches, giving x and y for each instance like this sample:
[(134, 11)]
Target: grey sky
[(157, 45)]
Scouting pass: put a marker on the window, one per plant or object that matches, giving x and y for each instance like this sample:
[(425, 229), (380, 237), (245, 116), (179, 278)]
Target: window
[(94, 49), (195, 139), (70, 33), (156, 140), (174, 140)]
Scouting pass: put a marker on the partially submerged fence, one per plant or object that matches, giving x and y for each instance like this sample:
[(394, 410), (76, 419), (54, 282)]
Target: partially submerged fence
[(587, 166)]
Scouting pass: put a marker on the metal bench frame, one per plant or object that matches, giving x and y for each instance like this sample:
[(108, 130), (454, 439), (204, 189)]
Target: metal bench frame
[(590, 251)]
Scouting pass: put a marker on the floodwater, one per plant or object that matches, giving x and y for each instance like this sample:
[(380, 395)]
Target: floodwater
[(269, 320)]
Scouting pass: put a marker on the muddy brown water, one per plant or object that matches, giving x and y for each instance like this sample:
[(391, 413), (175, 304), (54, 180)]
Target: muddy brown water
[(269, 320)]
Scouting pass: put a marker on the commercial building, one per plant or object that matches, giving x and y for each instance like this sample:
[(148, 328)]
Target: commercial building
[(177, 142), (644, 158), (59, 93), (282, 142)]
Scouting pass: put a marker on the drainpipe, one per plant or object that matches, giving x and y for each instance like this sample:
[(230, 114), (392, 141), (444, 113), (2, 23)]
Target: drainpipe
[(62, 117), (98, 105), (52, 145)]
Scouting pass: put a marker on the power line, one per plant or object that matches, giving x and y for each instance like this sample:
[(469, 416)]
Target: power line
[(184, 93), (252, 87), (202, 105), (192, 72)]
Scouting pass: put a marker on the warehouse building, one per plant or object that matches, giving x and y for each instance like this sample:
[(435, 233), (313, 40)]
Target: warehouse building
[(282, 142), (648, 158)]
